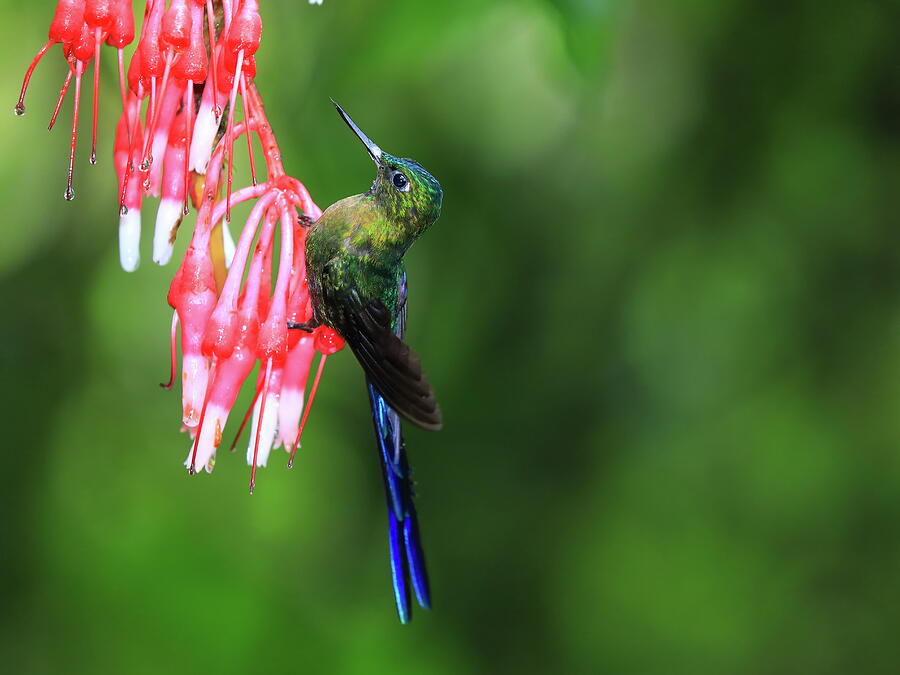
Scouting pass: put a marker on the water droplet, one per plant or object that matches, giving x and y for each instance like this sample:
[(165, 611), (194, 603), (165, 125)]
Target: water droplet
[(70, 194), (146, 183), (19, 109), (185, 210), (145, 165), (93, 157), (123, 210), (290, 464), (191, 471)]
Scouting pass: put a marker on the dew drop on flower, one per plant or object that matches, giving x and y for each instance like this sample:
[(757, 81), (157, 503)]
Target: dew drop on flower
[(70, 194), (19, 109)]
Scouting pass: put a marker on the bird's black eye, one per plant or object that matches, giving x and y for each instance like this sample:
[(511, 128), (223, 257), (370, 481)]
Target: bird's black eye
[(399, 180)]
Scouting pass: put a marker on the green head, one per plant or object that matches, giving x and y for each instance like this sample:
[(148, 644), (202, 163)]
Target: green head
[(408, 193)]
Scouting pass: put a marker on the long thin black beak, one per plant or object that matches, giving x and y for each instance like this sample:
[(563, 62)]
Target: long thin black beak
[(374, 150)]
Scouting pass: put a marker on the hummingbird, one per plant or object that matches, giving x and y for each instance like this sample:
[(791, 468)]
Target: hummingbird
[(357, 286)]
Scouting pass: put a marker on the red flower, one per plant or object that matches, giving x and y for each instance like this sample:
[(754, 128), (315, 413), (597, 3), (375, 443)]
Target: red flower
[(174, 93)]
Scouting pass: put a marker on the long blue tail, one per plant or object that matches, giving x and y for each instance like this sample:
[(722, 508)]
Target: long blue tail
[(407, 559)]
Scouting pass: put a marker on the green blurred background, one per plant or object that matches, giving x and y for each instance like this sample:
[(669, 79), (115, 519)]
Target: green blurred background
[(660, 311)]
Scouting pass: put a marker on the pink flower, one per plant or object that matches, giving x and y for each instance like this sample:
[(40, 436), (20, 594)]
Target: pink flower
[(174, 92)]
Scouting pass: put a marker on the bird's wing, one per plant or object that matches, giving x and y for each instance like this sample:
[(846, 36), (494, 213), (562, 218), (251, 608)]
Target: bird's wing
[(390, 365)]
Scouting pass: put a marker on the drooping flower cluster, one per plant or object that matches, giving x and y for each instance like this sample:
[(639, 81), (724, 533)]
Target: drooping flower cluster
[(192, 66)]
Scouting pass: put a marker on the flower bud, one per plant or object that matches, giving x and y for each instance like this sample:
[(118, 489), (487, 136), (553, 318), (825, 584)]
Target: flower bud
[(84, 46), (193, 64), (246, 29), (67, 21), (152, 63), (98, 13), (328, 341), (193, 295), (121, 29), (176, 26)]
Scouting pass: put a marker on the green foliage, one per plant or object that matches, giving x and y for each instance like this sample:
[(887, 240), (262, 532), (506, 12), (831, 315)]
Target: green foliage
[(660, 311)]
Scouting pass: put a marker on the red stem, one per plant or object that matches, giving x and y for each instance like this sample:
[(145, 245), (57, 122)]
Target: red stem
[(59, 102), (98, 43), (20, 106), (210, 19), (151, 111), (229, 131), (79, 69), (151, 130), (312, 396), (259, 424), (168, 385), (266, 137), (247, 415), (123, 88), (189, 111), (246, 104)]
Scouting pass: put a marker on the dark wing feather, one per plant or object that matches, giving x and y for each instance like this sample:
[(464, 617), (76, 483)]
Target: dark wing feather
[(390, 365)]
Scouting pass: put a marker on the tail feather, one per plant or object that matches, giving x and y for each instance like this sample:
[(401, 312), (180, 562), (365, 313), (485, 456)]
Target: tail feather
[(407, 558), (398, 571), (416, 558)]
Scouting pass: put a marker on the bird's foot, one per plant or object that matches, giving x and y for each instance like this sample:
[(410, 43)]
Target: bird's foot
[(306, 326)]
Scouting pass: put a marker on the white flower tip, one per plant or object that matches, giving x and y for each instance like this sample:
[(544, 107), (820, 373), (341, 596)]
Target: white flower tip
[(227, 243), (194, 378), (210, 439), (267, 433), (205, 129), (208, 467), (168, 218), (130, 239), (289, 410)]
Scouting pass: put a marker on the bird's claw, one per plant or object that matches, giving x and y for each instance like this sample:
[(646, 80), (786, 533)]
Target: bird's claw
[(306, 326)]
